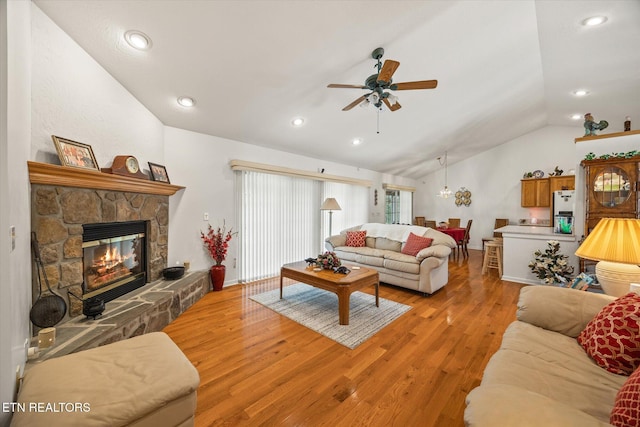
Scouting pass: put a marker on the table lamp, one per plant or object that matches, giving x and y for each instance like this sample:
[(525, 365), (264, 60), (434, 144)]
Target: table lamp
[(330, 204), (615, 243)]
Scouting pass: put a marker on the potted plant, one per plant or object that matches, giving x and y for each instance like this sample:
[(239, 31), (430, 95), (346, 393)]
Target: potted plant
[(551, 266), (217, 243)]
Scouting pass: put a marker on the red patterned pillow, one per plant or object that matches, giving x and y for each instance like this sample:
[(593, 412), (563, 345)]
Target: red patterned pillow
[(415, 244), (612, 338), (356, 239), (626, 409)]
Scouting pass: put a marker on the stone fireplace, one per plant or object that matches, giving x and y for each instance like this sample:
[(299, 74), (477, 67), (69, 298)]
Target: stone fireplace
[(59, 215), (74, 212), (65, 201)]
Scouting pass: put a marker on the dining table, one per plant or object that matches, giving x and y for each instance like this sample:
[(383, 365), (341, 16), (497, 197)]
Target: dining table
[(457, 233)]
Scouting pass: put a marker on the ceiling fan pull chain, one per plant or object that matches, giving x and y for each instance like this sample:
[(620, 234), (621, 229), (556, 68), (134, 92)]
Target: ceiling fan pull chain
[(378, 121)]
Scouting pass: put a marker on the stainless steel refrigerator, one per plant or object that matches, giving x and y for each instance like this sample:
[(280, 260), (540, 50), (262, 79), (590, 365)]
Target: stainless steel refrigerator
[(563, 208)]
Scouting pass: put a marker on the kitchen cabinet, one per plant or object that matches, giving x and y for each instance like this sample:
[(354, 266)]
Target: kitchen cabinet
[(562, 182), (535, 193)]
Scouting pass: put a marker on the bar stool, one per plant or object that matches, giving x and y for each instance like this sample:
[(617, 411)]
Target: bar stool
[(493, 256)]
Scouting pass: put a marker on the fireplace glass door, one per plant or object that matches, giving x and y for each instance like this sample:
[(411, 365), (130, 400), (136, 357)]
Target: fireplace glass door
[(113, 262)]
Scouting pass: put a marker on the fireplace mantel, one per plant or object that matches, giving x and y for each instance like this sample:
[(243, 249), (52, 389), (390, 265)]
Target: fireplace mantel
[(47, 174)]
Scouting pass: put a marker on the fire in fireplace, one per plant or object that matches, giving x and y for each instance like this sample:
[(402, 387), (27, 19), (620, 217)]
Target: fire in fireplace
[(114, 258)]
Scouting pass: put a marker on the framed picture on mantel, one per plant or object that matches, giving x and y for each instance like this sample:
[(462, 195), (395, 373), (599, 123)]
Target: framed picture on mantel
[(158, 173), (75, 154)]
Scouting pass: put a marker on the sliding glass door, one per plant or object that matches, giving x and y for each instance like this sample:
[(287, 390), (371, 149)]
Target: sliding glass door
[(280, 220)]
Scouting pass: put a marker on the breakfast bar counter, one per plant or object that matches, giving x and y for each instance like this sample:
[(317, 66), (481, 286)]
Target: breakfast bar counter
[(519, 245)]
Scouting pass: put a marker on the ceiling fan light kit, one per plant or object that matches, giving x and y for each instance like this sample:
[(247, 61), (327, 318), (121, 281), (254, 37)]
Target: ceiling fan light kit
[(381, 83)]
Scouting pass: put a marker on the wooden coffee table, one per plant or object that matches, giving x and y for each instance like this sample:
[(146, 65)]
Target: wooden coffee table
[(340, 284)]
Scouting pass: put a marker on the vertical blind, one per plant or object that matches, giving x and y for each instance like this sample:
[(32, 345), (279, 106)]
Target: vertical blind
[(353, 201), (406, 207), (280, 221)]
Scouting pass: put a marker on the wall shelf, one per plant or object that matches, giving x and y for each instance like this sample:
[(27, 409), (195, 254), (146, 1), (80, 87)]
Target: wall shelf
[(608, 135), (47, 174)]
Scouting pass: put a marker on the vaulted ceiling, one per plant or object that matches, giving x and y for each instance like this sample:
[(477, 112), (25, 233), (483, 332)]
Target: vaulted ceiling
[(504, 69)]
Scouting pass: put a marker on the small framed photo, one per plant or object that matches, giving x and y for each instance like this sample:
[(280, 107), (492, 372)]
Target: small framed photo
[(159, 173), (75, 154)]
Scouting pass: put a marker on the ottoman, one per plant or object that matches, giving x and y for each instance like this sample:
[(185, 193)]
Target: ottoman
[(141, 381)]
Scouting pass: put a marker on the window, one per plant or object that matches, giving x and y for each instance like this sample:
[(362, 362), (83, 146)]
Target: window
[(392, 207), (398, 207)]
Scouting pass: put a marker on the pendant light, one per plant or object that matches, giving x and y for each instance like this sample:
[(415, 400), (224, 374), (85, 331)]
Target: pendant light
[(445, 193)]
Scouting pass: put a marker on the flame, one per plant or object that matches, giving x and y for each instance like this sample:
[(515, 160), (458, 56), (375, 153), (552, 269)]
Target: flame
[(112, 255)]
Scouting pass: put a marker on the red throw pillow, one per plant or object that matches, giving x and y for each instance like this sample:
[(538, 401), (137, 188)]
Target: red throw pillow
[(612, 338), (626, 409), (356, 239), (415, 244)]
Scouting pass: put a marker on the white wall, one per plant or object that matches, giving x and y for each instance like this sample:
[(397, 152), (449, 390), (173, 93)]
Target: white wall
[(75, 98), (201, 164), (15, 99), (493, 177)]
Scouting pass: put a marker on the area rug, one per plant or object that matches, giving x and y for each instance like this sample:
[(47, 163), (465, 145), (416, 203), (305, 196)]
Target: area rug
[(317, 309)]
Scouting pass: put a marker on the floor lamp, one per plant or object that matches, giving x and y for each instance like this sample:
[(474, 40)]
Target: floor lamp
[(615, 242), (330, 204)]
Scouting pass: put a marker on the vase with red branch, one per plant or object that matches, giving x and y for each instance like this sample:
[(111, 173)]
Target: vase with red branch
[(216, 240)]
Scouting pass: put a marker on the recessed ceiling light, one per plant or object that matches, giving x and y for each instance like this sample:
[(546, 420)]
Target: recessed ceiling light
[(594, 20), (186, 101), (576, 116), (356, 141), (138, 39), (298, 121), (581, 92)]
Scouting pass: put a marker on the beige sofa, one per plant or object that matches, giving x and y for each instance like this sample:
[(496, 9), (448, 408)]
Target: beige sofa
[(541, 376), (142, 381), (426, 272)]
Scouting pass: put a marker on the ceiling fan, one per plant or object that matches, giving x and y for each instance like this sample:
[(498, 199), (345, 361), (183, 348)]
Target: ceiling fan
[(380, 83)]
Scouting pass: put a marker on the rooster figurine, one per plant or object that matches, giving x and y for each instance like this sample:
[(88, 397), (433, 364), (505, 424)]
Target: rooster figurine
[(590, 126)]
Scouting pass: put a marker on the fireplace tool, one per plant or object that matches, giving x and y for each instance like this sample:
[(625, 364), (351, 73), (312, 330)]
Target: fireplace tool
[(47, 310)]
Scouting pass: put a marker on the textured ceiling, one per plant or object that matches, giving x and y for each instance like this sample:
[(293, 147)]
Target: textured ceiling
[(504, 68)]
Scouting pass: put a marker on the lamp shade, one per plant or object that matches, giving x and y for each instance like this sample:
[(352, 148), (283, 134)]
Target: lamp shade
[(613, 240), (330, 204)]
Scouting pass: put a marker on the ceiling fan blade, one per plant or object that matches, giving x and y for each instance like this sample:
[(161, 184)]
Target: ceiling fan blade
[(354, 103), (392, 107), (388, 68), (422, 84), (339, 86)]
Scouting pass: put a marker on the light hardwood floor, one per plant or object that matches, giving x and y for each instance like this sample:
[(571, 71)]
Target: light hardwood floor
[(259, 368)]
